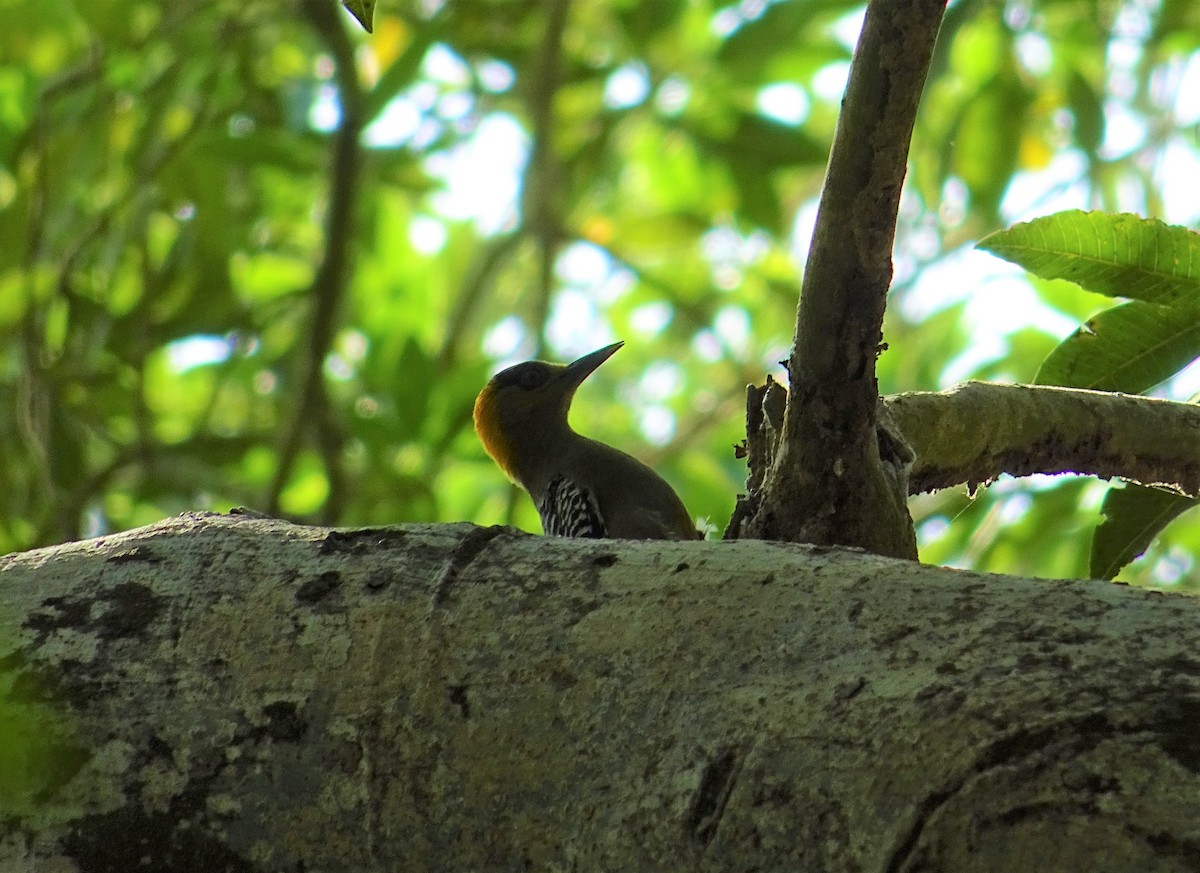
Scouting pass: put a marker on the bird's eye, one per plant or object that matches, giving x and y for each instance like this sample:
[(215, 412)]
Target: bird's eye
[(533, 377)]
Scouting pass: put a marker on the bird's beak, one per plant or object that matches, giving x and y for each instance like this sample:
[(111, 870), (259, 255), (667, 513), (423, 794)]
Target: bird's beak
[(580, 369)]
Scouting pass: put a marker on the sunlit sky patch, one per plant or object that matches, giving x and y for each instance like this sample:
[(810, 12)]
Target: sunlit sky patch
[(627, 86), (199, 350), (783, 101), (481, 175)]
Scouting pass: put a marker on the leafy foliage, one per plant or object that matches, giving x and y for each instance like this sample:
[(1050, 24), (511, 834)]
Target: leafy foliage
[(1134, 346), (644, 171), (1133, 517), (1131, 347)]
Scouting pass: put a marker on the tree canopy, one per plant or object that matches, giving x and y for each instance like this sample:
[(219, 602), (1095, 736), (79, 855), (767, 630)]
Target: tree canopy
[(251, 254)]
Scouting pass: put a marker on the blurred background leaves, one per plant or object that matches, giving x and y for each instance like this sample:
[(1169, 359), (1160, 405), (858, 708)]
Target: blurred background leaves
[(538, 179)]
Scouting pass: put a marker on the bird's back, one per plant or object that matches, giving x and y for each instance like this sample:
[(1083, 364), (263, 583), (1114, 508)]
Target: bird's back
[(598, 482)]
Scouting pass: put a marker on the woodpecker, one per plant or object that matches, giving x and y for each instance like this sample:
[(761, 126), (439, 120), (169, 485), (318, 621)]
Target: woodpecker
[(581, 488)]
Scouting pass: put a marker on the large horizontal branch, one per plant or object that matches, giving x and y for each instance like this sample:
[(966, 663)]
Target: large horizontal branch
[(212, 693), (976, 431)]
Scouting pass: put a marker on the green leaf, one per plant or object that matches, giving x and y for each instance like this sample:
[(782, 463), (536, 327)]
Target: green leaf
[(1117, 255), (363, 11), (754, 138), (757, 200), (1131, 348), (642, 22), (987, 140), (776, 30), (1133, 517), (775, 144)]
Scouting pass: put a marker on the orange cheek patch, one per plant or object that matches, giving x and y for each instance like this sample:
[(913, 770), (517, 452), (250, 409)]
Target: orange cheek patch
[(487, 425)]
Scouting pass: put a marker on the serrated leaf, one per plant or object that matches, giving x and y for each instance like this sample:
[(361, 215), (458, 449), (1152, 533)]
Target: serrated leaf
[(1133, 517), (1117, 255), (1131, 347)]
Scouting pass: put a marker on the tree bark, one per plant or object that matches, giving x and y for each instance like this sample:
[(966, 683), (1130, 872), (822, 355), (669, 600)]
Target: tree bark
[(973, 432), (241, 694), (830, 481)]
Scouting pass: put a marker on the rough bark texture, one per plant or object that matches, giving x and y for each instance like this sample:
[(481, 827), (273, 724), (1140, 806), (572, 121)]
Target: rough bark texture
[(828, 483), (246, 695), (976, 431)]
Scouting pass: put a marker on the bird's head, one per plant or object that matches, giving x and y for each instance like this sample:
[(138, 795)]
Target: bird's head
[(526, 405)]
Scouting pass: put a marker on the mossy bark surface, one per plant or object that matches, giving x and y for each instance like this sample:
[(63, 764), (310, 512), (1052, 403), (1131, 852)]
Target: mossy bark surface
[(224, 693)]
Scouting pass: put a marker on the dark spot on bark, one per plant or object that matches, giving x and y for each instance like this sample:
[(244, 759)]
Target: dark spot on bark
[(1031, 661), (458, 696), (708, 806), (940, 700), (562, 680), (579, 608), (59, 612), (157, 747), (284, 722), (606, 561), (849, 689), (1167, 845), (1180, 665), (346, 755), (379, 581), (902, 857), (681, 566), (895, 635), (132, 608), (367, 539), (135, 554), (854, 611), (1080, 733), (1177, 731), (768, 579), (133, 839), (1040, 812), (319, 587), (773, 793), (1093, 784), (1076, 637)]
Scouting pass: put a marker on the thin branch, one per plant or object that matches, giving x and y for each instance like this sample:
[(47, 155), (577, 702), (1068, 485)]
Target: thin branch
[(976, 431), (849, 270), (541, 193), (329, 283)]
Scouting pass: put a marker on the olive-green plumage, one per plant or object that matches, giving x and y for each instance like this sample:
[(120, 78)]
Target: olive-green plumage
[(580, 487)]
